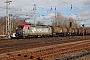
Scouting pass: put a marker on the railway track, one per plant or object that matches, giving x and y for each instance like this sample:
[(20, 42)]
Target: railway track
[(47, 52), (13, 41), (10, 46), (7, 42), (23, 44), (16, 47)]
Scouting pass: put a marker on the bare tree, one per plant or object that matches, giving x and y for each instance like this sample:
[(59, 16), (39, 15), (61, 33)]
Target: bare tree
[(15, 21), (60, 20)]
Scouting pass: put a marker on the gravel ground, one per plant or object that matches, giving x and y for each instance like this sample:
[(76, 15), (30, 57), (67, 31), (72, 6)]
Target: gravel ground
[(87, 57)]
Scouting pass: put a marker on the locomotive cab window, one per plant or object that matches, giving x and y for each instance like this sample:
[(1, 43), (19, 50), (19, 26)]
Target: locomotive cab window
[(19, 27), (49, 28), (28, 28)]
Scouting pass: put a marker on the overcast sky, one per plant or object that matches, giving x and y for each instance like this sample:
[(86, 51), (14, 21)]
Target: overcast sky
[(80, 8)]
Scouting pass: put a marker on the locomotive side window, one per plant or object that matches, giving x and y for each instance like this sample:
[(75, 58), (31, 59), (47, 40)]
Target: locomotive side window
[(28, 28), (49, 28)]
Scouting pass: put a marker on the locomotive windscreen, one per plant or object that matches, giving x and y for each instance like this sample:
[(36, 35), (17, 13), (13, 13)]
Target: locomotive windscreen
[(19, 27)]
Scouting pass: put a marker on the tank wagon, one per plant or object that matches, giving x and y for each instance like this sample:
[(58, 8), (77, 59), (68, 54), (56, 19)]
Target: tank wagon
[(64, 31), (27, 31), (73, 31), (59, 31)]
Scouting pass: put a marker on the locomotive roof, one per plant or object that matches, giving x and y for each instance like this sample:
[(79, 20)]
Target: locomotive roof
[(33, 25), (24, 24), (38, 26)]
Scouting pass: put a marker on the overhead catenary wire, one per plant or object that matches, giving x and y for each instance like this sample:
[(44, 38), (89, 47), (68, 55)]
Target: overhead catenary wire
[(32, 5), (49, 4), (69, 4), (37, 6), (44, 2)]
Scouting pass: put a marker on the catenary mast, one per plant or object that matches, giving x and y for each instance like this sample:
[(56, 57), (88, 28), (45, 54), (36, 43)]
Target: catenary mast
[(8, 20)]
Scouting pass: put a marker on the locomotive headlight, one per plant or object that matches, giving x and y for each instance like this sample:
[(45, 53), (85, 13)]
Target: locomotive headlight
[(16, 28), (23, 31)]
